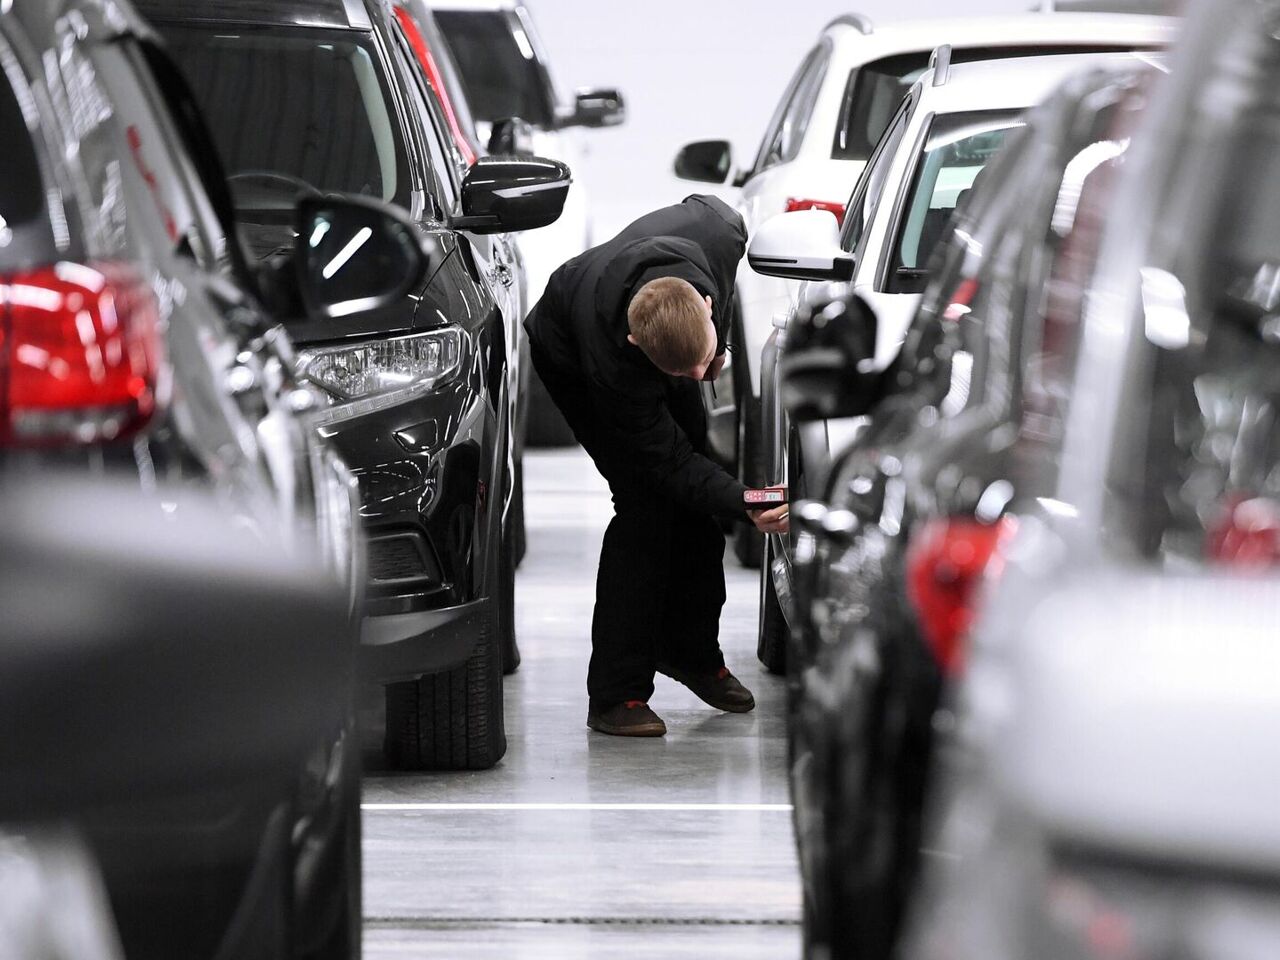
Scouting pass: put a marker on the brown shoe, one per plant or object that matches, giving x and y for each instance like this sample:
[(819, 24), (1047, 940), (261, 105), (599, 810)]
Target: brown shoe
[(721, 689), (632, 718)]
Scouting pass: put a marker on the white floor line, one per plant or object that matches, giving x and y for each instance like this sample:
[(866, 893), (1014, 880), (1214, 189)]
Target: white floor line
[(448, 807)]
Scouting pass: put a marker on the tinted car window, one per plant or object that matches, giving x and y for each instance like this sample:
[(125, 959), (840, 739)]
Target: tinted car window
[(956, 149), (294, 110), (786, 137), (26, 235), (499, 67), (870, 97), (870, 186)]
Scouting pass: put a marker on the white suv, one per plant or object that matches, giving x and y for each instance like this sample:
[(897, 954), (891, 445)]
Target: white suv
[(830, 118)]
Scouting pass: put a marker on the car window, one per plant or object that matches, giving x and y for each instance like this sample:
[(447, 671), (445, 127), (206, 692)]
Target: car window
[(1195, 465), (26, 229), (956, 148), (865, 199), (445, 158), (326, 122), (499, 66), (773, 131), (871, 95), (785, 143)]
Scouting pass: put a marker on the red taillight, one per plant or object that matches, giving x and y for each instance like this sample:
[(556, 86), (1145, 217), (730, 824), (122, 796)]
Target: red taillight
[(80, 352), (946, 561), (797, 203), (1246, 533), (428, 64), (961, 300)]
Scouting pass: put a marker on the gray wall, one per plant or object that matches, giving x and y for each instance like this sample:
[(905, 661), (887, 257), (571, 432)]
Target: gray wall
[(690, 69)]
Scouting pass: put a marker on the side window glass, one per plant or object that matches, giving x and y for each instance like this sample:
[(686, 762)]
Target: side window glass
[(27, 228), (866, 194), (796, 120), (870, 97), (126, 146), (765, 158), (444, 159)]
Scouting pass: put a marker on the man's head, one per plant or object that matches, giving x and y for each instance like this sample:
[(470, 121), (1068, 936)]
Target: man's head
[(671, 322)]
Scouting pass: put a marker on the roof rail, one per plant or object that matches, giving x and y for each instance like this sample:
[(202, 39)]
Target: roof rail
[(940, 64), (859, 21)]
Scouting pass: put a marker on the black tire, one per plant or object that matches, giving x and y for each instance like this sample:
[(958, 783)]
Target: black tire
[(344, 893), (507, 604), (748, 542), (547, 426), (519, 536), (451, 720), (774, 636)]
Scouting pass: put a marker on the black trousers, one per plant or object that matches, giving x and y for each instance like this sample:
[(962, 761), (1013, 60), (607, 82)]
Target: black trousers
[(660, 585)]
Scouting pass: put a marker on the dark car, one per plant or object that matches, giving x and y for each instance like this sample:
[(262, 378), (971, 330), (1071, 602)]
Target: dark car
[(135, 349), (308, 98), (889, 563)]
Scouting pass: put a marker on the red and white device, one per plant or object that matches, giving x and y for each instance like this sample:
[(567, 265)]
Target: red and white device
[(765, 499)]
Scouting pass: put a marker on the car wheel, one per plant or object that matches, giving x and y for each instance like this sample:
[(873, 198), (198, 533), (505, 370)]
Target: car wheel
[(451, 720), (547, 426), (748, 542), (519, 536), (343, 912), (774, 636)]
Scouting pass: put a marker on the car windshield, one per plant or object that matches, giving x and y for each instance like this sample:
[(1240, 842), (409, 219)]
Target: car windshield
[(292, 111), (500, 68), (956, 149)]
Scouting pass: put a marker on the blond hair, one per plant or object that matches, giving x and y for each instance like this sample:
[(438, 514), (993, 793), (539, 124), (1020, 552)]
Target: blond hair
[(667, 318)]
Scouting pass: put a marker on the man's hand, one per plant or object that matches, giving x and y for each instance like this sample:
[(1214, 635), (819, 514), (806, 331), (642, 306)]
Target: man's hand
[(714, 368), (771, 521)]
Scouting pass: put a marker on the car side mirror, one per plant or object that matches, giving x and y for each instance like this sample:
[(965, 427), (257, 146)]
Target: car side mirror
[(155, 649), (354, 254), (802, 245), (829, 341), (604, 107), (705, 161), (508, 194), (511, 137)]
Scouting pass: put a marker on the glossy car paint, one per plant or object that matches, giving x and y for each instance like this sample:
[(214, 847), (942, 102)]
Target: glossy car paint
[(119, 169), (937, 447)]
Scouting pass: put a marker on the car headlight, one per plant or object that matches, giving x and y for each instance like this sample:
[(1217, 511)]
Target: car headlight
[(374, 374)]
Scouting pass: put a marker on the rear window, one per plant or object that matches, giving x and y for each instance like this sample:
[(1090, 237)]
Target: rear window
[(25, 233), (500, 69), (293, 111)]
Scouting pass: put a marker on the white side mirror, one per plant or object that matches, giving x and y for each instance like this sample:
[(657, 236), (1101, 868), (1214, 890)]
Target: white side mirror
[(803, 245)]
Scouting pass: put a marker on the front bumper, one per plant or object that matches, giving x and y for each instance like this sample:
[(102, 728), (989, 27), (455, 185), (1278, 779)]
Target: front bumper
[(404, 646)]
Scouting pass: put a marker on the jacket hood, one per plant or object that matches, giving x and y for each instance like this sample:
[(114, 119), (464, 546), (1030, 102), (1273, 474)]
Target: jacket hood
[(640, 261)]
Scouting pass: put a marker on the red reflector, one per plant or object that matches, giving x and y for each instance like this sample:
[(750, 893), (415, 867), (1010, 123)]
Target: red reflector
[(1246, 533), (79, 353), (428, 64), (946, 560), (796, 203)]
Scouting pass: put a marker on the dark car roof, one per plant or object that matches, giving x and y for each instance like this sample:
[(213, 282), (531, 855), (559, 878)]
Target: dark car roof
[(340, 14)]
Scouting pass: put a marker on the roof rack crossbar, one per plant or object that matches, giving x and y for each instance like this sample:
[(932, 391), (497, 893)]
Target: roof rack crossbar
[(940, 64), (859, 21)]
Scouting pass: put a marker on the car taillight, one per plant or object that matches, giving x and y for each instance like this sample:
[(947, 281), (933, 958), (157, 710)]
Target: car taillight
[(961, 302), (798, 203), (80, 352), (429, 67), (946, 561), (1246, 533)]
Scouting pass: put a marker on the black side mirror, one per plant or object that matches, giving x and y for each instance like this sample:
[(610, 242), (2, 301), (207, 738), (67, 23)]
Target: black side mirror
[(355, 254), (828, 340), (706, 161), (598, 108), (154, 652), (507, 194), (511, 137)]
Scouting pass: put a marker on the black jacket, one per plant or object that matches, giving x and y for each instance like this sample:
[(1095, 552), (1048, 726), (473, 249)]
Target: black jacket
[(580, 327)]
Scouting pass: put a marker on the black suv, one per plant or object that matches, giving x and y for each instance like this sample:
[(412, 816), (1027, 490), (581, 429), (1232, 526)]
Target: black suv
[(308, 98)]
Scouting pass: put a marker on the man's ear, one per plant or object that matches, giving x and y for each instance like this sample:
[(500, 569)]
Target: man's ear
[(632, 340), (708, 299)]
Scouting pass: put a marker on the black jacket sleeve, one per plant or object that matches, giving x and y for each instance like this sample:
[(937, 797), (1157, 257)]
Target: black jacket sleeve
[(646, 446)]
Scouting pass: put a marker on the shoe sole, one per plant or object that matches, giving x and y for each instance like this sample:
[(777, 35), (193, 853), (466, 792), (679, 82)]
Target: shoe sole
[(631, 730)]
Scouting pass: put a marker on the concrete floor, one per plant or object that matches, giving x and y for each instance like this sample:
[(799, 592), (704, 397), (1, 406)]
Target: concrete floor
[(579, 845)]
